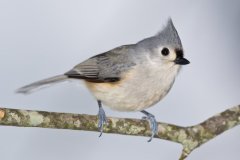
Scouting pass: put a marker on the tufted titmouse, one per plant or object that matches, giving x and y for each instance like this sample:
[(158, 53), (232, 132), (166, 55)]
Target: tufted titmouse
[(130, 77)]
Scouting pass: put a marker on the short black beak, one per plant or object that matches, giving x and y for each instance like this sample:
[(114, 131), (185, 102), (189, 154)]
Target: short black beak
[(181, 61)]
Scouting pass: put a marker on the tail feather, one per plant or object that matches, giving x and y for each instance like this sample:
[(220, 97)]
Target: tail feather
[(41, 84)]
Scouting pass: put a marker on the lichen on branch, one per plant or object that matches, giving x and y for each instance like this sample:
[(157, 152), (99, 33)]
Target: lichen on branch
[(189, 137)]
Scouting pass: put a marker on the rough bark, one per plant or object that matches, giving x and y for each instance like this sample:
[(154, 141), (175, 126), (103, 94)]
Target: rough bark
[(189, 137)]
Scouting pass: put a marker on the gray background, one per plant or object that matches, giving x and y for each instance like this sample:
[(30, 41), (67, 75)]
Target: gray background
[(39, 39)]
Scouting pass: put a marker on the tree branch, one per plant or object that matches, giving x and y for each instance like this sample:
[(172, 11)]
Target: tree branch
[(189, 137)]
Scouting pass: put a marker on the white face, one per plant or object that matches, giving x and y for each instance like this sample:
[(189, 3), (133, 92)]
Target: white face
[(172, 56), (167, 54)]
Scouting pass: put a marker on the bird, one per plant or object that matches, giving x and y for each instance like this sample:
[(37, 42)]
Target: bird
[(128, 78)]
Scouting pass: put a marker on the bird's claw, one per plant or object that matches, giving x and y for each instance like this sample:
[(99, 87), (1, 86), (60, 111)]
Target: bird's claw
[(102, 119), (153, 125)]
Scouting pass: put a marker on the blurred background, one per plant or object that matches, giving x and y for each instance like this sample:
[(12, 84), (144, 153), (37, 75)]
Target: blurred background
[(43, 38)]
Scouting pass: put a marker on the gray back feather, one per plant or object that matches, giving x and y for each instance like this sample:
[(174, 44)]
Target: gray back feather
[(105, 67)]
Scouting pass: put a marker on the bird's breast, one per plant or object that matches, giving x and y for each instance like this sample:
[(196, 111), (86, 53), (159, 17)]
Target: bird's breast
[(138, 89)]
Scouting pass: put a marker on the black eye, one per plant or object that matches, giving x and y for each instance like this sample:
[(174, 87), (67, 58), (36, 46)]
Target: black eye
[(165, 51)]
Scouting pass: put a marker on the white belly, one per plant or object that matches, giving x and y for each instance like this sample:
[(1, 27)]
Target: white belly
[(138, 90)]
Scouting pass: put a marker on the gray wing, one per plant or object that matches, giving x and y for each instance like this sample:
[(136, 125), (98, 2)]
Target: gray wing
[(105, 67)]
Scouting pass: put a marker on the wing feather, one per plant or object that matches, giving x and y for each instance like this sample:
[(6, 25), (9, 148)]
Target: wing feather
[(105, 67)]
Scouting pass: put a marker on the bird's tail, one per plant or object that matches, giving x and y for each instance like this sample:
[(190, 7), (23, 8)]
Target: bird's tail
[(41, 84)]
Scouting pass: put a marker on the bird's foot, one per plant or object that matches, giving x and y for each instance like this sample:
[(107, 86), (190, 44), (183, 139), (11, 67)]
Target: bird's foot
[(102, 119), (152, 122)]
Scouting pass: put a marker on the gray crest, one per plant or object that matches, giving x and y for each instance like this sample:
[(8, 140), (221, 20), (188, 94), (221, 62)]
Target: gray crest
[(169, 35)]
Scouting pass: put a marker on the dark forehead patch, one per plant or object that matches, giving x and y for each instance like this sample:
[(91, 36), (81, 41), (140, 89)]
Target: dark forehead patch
[(179, 53)]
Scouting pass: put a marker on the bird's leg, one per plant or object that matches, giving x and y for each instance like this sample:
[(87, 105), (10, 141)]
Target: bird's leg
[(102, 119), (152, 122)]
